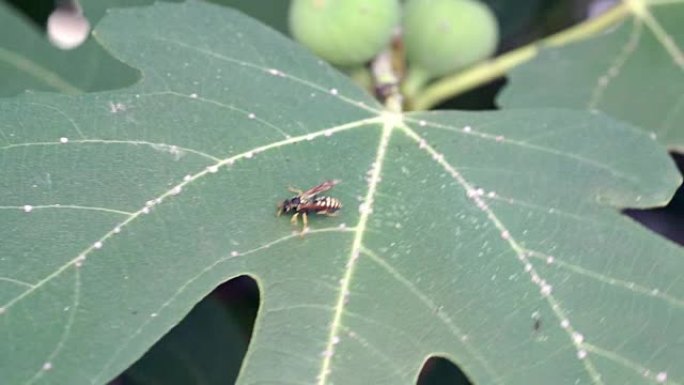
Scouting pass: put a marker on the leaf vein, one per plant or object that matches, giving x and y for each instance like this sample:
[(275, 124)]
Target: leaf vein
[(65, 333), (446, 320), (200, 274), (67, 207), (170, 148), (178, 187), (367, 206), (631, 286), (525, 145), (519, 251), (268, 71)]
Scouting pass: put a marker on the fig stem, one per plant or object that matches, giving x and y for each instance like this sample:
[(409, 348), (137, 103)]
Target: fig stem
[(456, 84), (386, 81), (415, 81), (359, 75)]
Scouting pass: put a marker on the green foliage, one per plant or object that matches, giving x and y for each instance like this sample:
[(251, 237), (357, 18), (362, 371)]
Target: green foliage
[(344, 32), (460, 231), (635, 73), (442, 36), (29, 61)]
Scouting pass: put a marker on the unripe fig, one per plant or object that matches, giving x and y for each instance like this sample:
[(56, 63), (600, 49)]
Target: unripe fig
[(344, 32), (443, 36)]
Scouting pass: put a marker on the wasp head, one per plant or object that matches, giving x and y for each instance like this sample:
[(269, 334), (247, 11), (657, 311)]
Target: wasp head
[(289, 205)]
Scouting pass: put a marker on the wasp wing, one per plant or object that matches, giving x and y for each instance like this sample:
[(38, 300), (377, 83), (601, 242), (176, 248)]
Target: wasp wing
[(325, 186)]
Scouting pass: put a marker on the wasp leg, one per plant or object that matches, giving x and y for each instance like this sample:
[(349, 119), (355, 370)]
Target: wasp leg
[(305, 221), (279, 212), (293, 220)]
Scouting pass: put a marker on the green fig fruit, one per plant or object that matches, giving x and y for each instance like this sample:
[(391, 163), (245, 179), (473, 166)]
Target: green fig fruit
[(344, 32), (443, 36)]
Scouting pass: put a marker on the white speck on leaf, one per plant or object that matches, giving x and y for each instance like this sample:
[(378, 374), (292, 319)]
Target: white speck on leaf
[(535, 278), (365, 209), (116, 107), (577, 337), (661, 377), (28, 208)]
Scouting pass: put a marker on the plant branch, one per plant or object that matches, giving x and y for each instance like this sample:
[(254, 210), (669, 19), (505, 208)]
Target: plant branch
[(487, 71), (386, 81)]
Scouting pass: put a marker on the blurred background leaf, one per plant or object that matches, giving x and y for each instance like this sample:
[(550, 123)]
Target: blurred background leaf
[(634, 72), (29, 61)]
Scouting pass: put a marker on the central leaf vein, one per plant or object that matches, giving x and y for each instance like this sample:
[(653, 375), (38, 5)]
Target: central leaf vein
[(366, 209)]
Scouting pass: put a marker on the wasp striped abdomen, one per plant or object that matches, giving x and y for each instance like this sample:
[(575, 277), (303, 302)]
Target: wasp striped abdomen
[(326, 205)]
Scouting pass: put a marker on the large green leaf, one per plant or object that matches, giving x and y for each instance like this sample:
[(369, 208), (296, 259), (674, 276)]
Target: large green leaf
[(493, 239), (29, 62), (635, 72)]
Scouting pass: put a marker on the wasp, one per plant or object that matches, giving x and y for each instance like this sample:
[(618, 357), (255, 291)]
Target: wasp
[(309, 201)]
